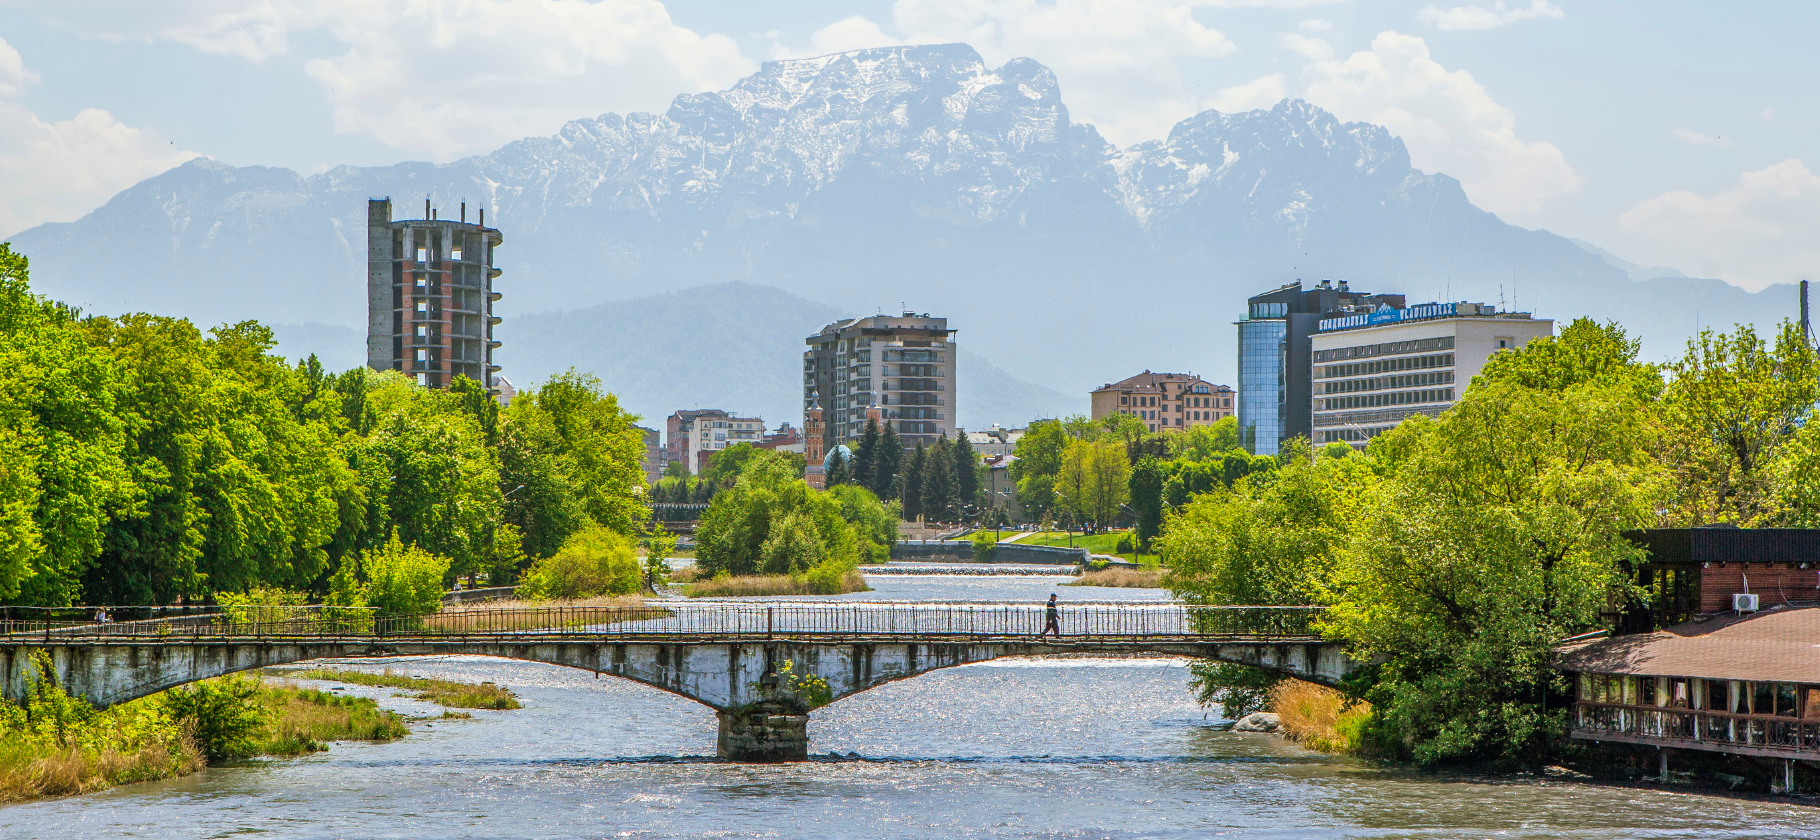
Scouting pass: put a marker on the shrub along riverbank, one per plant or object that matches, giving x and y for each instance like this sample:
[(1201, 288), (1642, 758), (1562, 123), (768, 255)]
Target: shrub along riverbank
[(55, 744)]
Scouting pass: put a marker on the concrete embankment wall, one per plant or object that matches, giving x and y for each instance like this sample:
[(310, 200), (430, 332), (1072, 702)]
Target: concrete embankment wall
[(961, 551)]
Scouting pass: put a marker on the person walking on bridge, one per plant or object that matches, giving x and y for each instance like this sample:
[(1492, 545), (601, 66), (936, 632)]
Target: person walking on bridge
[(1052, 619)]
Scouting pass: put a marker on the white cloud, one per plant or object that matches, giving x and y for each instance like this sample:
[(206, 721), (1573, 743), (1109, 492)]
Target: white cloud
[(1765, 230), (14, 75), (1486, 17), (445, 78), (1271, 4), (1448, 120), (1314, 49), (1255, 94), (1699, 139), (252, 29), (1769, 114), (853, 33), (1315, 25), (57, 171)]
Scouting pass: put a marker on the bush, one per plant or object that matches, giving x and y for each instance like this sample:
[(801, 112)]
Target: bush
[(593, 561), (261, 603), (1124, 545), (984, 546), (403, 580), (223, 715), (830, 577)]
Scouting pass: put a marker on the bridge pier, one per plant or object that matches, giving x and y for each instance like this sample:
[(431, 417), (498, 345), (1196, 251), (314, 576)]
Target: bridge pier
[(764, 733)]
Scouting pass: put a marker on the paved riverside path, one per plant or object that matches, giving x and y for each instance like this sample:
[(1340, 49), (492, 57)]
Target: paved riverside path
[(761, 665)]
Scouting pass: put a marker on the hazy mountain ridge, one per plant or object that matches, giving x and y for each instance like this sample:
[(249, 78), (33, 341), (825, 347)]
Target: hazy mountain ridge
[(862, 179)]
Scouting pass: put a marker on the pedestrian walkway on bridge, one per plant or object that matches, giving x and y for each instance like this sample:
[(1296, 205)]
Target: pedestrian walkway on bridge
[(762, 665)]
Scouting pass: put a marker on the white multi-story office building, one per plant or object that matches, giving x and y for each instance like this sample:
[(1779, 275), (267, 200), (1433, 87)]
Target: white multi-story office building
[(1372, 369)]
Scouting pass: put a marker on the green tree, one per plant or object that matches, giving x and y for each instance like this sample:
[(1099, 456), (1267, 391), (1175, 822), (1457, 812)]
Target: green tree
[(740, 533), (865, 455), (1496, 532), (838, 472), (966, 472), (1201, 443), (593, 561), (62, 472), (537, 480), (887, 463), (913, 484), (1731, 404), (1146, 491), (937, 490), (1110, 485), (604, 442)]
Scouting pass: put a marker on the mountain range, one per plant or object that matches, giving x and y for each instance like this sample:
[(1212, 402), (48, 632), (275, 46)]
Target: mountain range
[(915, 177)]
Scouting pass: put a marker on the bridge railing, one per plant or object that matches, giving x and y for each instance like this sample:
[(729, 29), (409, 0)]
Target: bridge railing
[(715, 619)]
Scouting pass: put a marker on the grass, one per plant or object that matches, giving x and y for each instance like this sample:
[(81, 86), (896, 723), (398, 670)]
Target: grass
[(1102, 543), (1147, 578), (1318, 717), (34, 771), (304, 720), (448, 693), (751, 585)]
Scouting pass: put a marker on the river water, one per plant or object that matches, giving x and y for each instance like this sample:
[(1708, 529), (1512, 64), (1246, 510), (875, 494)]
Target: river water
[(1030, 748)]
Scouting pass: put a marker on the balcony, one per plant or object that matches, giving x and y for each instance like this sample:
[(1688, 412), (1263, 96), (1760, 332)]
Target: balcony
[(1776, 736)]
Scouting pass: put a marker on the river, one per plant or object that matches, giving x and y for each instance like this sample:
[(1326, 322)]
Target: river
[(1033, 748)]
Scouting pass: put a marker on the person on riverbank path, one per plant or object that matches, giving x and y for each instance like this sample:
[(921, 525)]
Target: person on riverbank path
[(1052, 620)]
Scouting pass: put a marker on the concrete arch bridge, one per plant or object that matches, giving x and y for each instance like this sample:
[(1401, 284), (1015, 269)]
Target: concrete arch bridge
[(762, 666)]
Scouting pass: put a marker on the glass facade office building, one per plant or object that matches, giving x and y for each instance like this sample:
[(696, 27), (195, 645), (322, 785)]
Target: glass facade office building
[(1261, 381), (1275, 358)]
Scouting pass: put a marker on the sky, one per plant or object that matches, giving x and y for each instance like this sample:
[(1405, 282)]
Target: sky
[(1673, 134)]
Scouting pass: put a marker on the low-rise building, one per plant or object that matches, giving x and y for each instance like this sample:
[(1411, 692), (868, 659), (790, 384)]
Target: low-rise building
[(1000, 487), (1717, 654), (1374, 367), (785, 439), (694, 435), (1164, 400), (994, 441)]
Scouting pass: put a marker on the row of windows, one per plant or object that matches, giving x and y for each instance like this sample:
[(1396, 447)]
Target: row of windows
[(1347, 435), (1380, 383), (1191, 415), (1393, 398), (1732, 696), (1192, 402), (1389, 348), (1384, 366)]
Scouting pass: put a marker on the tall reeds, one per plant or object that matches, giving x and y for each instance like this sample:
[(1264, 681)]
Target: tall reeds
[(1319, 718)]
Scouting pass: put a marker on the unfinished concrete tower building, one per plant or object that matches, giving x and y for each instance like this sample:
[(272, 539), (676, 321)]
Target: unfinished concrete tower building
[(430, 296)]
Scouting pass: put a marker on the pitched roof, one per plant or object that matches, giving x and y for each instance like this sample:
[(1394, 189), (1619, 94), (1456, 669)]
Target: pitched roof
[(1147, 382), (1777, 645)]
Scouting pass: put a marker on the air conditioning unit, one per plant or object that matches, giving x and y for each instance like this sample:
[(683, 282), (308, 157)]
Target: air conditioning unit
[(1744, 603)]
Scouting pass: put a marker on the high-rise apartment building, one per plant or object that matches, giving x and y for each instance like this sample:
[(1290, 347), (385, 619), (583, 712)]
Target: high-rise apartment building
[(1164, 400), (1275, 391), (692, 436), (1373, 368), (430, 296), (901, 367)]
